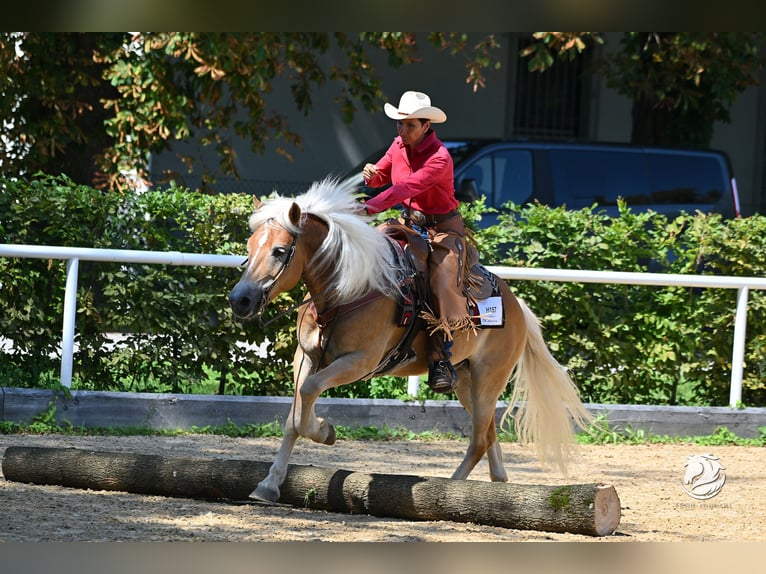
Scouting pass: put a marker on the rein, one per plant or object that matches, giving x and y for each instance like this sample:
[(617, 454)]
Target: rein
[(267, 289), (328, 316), (281, 314)]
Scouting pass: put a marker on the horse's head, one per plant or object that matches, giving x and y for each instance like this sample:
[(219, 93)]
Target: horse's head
[(702, 467), (271, 267), (318, 237), (694, 469)]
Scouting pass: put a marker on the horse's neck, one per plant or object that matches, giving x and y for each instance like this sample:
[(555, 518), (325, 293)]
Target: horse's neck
[(315, 282)]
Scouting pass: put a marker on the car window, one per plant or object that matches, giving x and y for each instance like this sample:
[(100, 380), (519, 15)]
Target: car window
[(582, 178), (512, 177), (501, 176), (479, 175), (694, 181)]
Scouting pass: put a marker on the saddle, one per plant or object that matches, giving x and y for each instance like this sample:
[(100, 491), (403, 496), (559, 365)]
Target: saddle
[(412, 250), (478, 282)]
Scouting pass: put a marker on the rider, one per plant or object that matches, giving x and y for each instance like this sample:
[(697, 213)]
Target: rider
[(420, 168)]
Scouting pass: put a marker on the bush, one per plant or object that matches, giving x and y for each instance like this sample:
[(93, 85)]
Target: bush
[(622, 343), (177, 328), (640, 344)]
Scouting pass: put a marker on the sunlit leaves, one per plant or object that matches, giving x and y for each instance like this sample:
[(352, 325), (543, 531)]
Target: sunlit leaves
[(550, 46), (166, 87)]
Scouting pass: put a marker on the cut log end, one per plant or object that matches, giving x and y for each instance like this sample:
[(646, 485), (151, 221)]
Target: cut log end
[(606, 510)]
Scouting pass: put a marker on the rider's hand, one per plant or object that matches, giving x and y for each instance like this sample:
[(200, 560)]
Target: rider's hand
[(370, 170)]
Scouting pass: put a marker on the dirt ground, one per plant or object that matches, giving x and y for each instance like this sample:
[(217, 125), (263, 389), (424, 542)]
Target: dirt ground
[(647, 478)]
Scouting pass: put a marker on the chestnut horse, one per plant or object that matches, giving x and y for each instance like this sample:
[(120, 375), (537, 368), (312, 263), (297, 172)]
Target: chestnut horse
[(321, 238)]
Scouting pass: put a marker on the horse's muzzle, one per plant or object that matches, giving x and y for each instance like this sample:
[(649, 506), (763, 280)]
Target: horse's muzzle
[(246, 300)]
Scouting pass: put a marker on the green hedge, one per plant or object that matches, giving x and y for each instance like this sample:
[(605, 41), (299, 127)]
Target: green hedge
[(622, 343), (641, 344), (176, 319)]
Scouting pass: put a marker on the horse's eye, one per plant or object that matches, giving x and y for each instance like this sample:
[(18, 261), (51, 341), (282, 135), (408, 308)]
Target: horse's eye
[(279, 253)]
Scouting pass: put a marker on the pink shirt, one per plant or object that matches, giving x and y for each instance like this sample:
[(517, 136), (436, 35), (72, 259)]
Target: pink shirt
[(422, 179)]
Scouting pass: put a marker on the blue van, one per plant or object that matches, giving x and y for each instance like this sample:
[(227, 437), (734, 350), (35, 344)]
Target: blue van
[(577, 175)]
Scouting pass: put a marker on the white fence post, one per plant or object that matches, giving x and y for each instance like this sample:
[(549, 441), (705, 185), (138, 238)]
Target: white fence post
[(738, 352), (413, 383), (70, 312)]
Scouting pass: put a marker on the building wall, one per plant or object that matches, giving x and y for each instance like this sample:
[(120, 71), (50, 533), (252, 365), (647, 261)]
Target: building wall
[(740, 139), (331, 147)]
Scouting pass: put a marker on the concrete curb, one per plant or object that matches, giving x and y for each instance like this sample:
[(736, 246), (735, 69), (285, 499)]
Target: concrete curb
[(177, 411)]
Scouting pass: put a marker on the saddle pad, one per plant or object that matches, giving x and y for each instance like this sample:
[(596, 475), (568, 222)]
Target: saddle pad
[(488, 312), (486, 309)]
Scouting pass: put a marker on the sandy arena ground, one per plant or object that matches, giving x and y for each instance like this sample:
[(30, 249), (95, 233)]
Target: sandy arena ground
[(647, 478)]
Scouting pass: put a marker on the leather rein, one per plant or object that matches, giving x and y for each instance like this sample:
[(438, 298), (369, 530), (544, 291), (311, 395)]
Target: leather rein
[(267, 290), (325, 318)]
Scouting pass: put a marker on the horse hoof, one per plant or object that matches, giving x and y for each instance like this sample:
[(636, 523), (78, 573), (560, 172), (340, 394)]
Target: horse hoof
[(331, 436), (264, 494)]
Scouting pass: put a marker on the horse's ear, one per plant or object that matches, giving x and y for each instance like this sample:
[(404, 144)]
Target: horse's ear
[(294, 214), (257, 203)]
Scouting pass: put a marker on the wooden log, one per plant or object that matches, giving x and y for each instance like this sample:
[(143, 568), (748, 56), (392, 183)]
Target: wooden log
[(590, 509)]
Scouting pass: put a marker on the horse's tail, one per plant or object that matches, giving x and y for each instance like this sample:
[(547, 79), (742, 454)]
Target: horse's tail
[(548, 401)]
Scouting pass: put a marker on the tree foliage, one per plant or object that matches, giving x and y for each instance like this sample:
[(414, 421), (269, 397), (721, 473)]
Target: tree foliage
[(125, 97), (51, 94), (548, 47), (680, 82), (95, 106)]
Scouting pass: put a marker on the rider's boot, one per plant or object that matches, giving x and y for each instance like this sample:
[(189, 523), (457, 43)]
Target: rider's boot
[(442, 377)]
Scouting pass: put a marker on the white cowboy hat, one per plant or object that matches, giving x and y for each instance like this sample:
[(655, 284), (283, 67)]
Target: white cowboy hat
[(415, 105)]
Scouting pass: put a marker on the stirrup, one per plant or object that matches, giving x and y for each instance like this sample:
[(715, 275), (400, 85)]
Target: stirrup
[(442, 377)]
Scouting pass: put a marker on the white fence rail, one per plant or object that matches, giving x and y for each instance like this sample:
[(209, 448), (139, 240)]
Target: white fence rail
[(73, 255)]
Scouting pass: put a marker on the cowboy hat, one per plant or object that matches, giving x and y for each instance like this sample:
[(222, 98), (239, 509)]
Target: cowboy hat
[(415, 105)]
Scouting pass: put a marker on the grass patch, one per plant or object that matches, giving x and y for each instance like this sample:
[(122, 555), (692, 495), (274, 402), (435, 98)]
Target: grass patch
[(599, 432)]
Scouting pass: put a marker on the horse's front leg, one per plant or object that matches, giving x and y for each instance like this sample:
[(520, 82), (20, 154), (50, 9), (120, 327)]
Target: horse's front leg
[(303, 421), (268, 489), (345, 370)]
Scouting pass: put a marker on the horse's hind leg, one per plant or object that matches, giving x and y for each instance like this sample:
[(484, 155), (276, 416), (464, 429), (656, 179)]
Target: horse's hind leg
[(480, 404), (483, 441), (495, 458)]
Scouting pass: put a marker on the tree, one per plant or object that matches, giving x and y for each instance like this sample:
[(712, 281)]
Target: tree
[(95, 106), (105, 102), (51, 91), (680, 82)]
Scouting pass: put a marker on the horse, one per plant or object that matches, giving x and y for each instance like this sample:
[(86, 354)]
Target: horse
[(346, 326)]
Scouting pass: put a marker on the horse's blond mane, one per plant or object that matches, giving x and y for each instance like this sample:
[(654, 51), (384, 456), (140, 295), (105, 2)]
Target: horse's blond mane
[(357, 257)]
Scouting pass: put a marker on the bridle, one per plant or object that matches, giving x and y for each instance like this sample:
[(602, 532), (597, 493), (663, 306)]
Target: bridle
[(270, 284)]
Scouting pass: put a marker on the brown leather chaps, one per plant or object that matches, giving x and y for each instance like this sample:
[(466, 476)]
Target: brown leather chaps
[(447, 267)]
